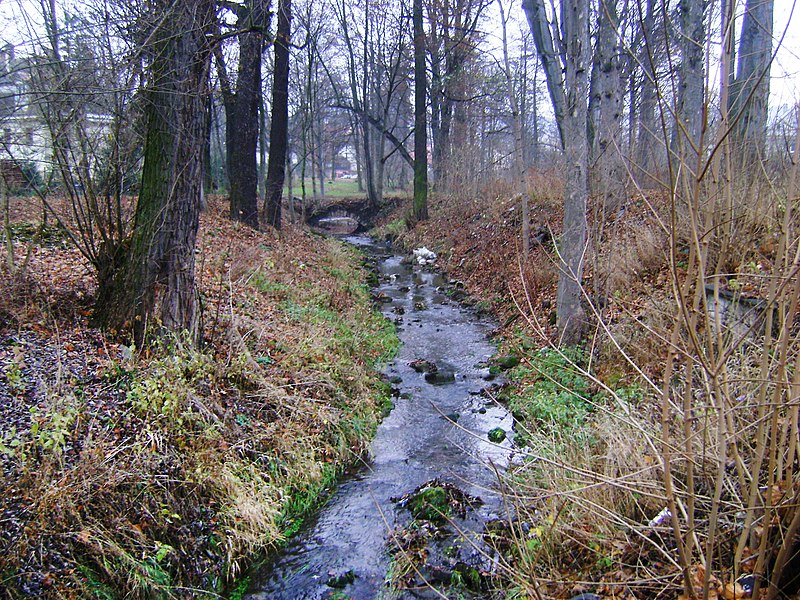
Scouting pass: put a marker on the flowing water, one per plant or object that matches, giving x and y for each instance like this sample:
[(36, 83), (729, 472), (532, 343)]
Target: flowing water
[(437, 429)]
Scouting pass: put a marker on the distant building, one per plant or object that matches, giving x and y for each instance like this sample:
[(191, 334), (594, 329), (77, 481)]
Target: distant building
[(22, 132), (26, 146)]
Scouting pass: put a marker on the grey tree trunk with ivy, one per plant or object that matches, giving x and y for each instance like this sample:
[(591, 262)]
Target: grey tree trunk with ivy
[(569, 95)]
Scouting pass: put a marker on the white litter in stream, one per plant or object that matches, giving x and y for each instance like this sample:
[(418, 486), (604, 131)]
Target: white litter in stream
[(424, 256)]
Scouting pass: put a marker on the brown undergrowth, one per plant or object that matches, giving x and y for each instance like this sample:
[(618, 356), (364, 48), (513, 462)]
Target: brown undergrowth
[(164, 471), (660, 457)]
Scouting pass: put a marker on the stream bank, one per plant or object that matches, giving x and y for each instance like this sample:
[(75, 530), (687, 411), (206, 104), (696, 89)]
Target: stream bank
[(144, 474), (430, 473)]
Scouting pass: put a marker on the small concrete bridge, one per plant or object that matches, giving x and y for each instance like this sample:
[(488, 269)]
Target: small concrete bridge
[(344, 216)]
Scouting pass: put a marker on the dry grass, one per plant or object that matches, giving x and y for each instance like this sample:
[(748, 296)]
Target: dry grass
[(694, 413), (165, 472)]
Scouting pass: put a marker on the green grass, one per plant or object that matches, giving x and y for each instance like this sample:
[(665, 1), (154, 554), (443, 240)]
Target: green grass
[(555, 401), (552, 396), (304, 501), (338, 188)]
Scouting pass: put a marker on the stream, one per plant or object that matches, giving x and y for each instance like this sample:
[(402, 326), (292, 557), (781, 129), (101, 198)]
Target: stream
[(438, 429)]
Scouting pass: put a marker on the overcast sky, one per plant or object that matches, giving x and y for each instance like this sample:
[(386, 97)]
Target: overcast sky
[(786, 69), (785, 72)]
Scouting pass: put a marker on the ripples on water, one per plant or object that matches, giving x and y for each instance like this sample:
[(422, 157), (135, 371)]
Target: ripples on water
[(417, 442)]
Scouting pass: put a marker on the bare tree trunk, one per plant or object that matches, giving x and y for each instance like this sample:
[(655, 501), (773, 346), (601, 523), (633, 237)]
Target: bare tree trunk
[(303, 165), (535, 143), (320, 150), (208, 176), (645, 155), (750, 90), (262, 145), (243, 124), (279, 129), (356, 128), (569, 96), (380, 167), (605, 112), (242, 112), (687, 139), (154, 276), (8, 234), (420, 118), (290, 187)]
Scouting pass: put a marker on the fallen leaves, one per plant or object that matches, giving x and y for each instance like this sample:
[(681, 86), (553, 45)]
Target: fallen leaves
[(126, 482), (731, 590)]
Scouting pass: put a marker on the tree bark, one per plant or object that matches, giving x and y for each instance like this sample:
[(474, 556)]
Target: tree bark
[(605, 110), (366, 106), (420, 118), (242, 123), (646, 157), (687, 140), (279, 128), (750, 90), (570, 105), (150, 281)]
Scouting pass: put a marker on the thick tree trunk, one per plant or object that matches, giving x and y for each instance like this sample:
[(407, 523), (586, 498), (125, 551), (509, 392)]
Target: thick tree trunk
[(369, 160), (242, 131), (646, 155), (420, 118), (242, 111), (279, 129), (750, 90), (605, 108), (575, 24), (151, 280), (687, 140), (570, 105)]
